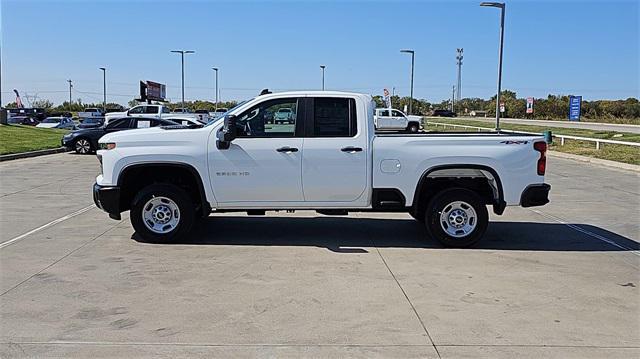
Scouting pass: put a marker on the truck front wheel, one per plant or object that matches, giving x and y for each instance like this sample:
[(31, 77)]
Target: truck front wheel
[(413, 128), (162, 213), (456, 217)]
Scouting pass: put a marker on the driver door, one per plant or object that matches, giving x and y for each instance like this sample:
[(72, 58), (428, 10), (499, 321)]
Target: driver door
[(263, 165)]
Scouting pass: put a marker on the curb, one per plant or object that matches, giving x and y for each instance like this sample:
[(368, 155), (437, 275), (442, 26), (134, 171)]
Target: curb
[(15, 156), (596, 161)]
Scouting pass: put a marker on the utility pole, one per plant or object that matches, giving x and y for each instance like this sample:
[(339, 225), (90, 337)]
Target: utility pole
[(70, 86), (453, 98), (413, 57), (104, 89), (216, 70), (459, 63), (501, 6), (182, 52), (322, 67)]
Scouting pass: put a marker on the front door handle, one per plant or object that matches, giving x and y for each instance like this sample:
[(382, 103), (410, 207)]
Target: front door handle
[(287, 149), (351, 149)]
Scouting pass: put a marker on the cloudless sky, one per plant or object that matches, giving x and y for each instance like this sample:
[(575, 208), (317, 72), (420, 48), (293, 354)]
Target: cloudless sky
[(559, 47)]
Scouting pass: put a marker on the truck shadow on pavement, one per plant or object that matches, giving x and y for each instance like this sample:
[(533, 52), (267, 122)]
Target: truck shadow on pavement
[(358, 235)]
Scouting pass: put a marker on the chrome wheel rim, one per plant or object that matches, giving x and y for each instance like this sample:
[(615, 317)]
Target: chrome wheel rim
[(458, 219), (161, 215), (83, 146)]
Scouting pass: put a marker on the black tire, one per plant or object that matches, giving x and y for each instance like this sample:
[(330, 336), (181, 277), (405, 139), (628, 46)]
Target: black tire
[(186, 212), (448, 200), (413, 128), (83, 146)]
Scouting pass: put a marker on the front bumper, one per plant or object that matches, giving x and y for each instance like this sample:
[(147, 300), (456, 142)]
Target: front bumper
[(535, 195), (107, 199)]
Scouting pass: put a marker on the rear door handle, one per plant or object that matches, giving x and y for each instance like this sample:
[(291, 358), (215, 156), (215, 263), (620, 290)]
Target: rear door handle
[(351, 149), (287, 149)]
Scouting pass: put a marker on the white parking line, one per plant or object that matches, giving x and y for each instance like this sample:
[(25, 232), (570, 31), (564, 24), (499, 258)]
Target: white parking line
[(52, 223), (589, 233)]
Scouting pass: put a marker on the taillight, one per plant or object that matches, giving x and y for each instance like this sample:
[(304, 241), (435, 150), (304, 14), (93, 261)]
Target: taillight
[(541, 147)]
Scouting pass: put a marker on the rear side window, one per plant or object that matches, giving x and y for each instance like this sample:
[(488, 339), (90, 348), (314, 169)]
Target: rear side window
[(334, 117)]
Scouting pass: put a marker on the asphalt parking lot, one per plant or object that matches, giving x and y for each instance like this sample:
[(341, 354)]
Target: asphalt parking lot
[(554, 281)]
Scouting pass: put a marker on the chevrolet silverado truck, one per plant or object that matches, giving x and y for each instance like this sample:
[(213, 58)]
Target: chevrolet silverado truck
[(392, 119), (329, 159)]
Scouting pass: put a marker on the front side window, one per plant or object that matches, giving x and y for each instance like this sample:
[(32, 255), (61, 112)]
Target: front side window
[(120, 123), (275, 118), (334, 117), (138, 109), (397, 113)]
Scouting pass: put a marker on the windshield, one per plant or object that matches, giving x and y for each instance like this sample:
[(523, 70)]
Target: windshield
[(231, 109), (91, 120)]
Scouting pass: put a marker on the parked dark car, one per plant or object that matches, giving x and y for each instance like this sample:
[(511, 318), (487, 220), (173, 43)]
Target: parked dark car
[(444, 113), (85, 141), (22, 120), (91, 122)]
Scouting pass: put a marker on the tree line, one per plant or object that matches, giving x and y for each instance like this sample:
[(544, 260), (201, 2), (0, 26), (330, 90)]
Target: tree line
[(553, 107)]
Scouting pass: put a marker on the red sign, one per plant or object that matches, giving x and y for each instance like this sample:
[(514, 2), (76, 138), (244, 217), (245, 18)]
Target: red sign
[(529, 104), (156, 91)]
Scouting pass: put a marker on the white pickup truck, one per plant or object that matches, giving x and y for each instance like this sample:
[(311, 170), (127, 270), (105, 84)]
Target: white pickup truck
[(329, 159), (392, 119), (148, 110)]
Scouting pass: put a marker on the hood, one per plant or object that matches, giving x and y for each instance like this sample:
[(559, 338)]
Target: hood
[(115, 114), (86, 131), (48, 125), (156, 136)]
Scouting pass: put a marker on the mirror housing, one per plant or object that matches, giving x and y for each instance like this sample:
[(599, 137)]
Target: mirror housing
[(228, 133)]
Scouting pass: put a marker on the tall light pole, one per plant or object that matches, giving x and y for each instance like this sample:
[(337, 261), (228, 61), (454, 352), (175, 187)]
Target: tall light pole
[(413, 57), (322, 67), (459, 63), (70, 86), (216, 70), (453, 98), (104, 89), (182, 52), (501, 6)]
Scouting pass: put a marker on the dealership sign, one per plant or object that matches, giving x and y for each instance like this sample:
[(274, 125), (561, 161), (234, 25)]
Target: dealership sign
[(156, 91), (575, 103), (529, 104), (502, 107)]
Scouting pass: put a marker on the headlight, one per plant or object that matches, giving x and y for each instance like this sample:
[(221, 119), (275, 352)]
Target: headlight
[(107, 146)]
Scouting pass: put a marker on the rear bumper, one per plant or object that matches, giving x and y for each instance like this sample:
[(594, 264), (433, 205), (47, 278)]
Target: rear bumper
[(107, 199), (535, 195)]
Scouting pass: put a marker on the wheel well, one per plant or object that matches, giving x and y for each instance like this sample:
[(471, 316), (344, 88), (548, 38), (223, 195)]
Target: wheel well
[(134, 178), (480, 179)]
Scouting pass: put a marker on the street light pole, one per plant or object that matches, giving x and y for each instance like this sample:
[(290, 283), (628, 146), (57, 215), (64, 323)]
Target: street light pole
[(216, 70), (182, 52), (70, 86), (413, 56), (322, 67), (104, 89), (459, 58), (501, 6)]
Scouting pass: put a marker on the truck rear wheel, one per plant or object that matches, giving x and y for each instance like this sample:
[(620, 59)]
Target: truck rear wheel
[(162, 213), (456, 217)]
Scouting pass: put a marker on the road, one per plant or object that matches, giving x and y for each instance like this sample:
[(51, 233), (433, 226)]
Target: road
[(556, 281), (563, 124)]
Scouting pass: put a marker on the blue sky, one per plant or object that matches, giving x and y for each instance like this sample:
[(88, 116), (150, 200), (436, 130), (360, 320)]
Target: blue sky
[(560, 47)]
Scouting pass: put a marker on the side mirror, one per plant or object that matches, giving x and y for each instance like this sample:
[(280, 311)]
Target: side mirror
[(127, 112), (228, 133)]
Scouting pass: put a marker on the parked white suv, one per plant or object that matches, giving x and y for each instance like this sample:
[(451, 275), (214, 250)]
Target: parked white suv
[(330, 159)]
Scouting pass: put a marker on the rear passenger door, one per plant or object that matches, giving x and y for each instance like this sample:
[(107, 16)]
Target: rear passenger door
[(335, 153)]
